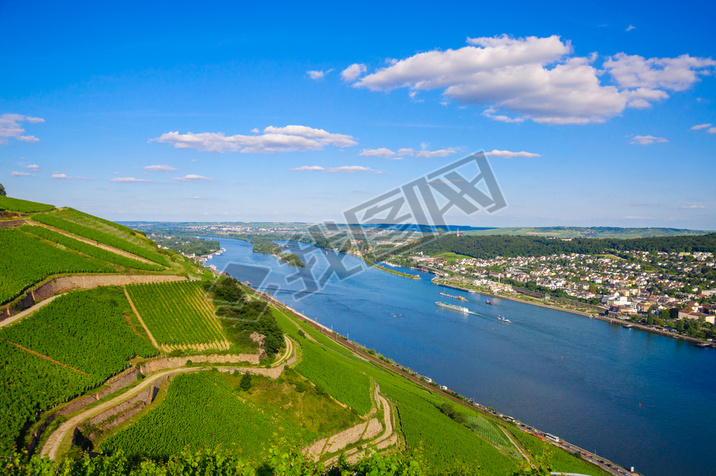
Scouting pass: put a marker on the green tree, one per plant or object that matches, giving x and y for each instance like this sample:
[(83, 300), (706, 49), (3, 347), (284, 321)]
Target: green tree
[(245, 383), (680, 325), (2, 191)]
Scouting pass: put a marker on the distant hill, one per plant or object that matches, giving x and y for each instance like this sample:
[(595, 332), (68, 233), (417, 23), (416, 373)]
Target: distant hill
[(587, 232)]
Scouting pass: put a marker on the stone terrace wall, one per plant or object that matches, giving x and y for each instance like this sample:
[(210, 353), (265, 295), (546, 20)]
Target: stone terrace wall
[(113, 385), (175, 362)]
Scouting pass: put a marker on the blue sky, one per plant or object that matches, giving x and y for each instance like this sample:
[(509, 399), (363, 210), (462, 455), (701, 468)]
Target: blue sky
[(592, 114)]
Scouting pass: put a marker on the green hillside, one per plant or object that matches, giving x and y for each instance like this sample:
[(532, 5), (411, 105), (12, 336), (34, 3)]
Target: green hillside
[(182, 380)]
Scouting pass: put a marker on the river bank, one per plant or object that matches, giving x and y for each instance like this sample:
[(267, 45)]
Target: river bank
[(455, 397), (601, 317)]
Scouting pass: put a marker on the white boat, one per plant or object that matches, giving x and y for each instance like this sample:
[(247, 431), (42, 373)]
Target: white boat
[(503, 319), (452, 307)]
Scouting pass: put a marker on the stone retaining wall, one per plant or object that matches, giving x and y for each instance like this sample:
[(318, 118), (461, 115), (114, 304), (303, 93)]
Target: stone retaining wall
[(175, 362), (118, 383), (272, 373)]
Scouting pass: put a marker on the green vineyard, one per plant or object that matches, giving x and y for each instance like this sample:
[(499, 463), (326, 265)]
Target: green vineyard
[(86, 330), (202, 410), (23, 206), (89, 250), (26, 260), (121, 243), (178, 314)]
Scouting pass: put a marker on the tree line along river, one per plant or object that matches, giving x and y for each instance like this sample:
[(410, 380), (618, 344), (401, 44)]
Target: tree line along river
[(636, 398)]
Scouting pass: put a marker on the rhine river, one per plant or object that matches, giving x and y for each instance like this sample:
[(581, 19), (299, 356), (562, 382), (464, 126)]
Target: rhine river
[(633, 397)]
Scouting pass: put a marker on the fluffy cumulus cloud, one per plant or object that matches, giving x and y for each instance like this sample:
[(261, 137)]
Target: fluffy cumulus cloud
[(33, 167), (193, 178), (160, 168), (647, 140), (273, 139), (352, 72), (538, 79), (10, 128), (507, 154), (61, 176), (20, 174)]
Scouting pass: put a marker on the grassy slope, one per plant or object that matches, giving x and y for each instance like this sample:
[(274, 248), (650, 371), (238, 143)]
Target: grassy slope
[(23, 206), (445, 443)]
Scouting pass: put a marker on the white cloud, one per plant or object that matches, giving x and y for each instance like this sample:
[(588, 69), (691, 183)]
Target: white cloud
[(430, 154), (711, 130), (691, 206), (193, 178), (312, 168), (634, 217), (381, 152), (539, 79), (506, 154), (160, 168), (130, 180), (351, 169), (10, 128), (274, 139), (490, 112), (316, 75), (33, 167), (20, 174), (60, 176), (352, 72), (630, 28), (676, 74), (255, 130), (647, 140)]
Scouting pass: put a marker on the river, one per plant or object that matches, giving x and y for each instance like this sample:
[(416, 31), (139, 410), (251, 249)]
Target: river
[(636, 398)]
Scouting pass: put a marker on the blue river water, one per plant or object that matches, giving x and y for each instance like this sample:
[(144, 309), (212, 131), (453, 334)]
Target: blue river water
[(636, 398)]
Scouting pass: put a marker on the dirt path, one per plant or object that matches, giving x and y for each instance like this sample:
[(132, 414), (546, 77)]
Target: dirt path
[(91, 242), (519, 448), (46, 357), (28, 311), (365, 431), (141, 321)]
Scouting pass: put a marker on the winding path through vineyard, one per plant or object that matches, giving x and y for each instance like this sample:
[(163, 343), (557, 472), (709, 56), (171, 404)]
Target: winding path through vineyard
[(54, 442)]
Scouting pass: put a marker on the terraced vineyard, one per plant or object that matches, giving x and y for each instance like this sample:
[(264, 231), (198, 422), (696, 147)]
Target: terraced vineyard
[(202, 410), (26, 260), (56, 220), (86, 330), (337, 375), (89, 250), (178, 315)]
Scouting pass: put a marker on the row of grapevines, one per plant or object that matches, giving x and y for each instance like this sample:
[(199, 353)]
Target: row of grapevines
[(201, 410), (90, 250), (29, 384), (337, 375), (109, 227), (26, 260), (100, 237), (177, 312), (86, 330), (23, 206)]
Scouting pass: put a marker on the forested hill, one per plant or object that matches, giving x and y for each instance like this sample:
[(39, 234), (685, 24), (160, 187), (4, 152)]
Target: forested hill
[(487, 247)]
